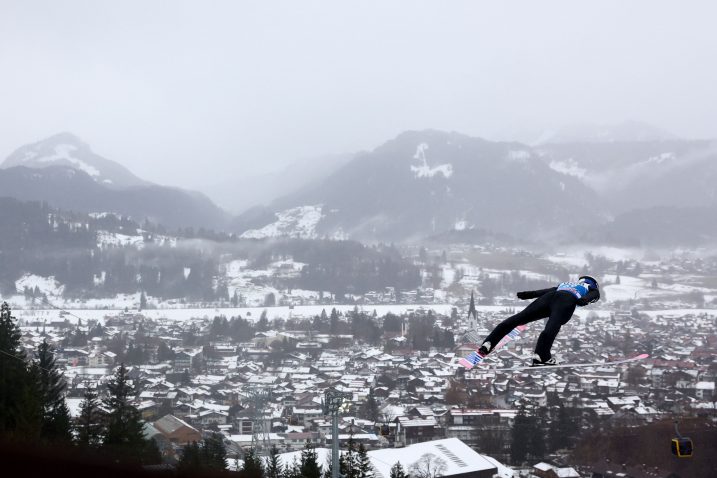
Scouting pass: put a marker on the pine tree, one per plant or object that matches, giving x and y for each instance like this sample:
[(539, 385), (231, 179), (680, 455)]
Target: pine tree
[(520, 437), (124, 438), (151, 454), (252, 465), (397, 471), (191, 459), (309, 466), (364, 467), (214, 452), (20, 409), (55, 414), (291, 471), (536, 442), (273, 464), (89, 423), (348, 461), (370, 408), (559, 431), (334, 322), (142, 301)]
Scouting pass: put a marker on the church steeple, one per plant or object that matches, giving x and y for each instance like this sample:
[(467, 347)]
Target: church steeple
[(472, 314)]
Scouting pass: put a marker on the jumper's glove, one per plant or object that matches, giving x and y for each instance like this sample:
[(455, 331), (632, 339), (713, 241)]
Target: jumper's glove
[(523, 295)]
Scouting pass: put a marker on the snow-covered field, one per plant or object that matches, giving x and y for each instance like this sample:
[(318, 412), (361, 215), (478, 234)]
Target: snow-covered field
[(641, 288), (576, 257), (112, 239), (298, 222), (46, 285), (251, 313), (107, 239)]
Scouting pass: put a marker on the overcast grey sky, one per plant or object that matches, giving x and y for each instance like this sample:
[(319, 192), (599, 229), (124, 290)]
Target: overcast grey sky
[(187, 93)]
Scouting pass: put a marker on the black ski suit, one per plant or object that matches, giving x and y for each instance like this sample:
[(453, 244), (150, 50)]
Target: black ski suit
[(557, 305)]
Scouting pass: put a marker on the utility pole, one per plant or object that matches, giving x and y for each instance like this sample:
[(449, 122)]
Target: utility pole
[(333, 399), (259, 398)]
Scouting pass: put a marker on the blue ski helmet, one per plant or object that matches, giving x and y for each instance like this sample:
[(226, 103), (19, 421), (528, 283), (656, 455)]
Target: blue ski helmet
[(589, 280)]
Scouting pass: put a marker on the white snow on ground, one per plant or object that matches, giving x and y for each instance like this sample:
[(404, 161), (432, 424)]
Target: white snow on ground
[(446, 449), (519, 155), (252, 294), (576, 257), (288, 264), (113, 239), (569, 167), (64, 151), (250, 313), (448, 273), (423, 170), (460, 225), (99, 279), (109, 239), (640, 288), (74, 405), (629, 288), (47, 285), (298, 222), (660, 158), (234, 268)]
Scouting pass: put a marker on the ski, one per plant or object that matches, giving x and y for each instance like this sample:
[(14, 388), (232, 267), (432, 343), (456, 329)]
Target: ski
[(474, 358), (543, 368)]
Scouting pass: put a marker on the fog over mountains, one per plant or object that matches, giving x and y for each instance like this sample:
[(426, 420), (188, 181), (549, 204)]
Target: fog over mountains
[(418, 185)]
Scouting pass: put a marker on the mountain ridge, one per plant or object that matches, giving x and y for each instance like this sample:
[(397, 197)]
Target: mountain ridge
[(443, 179), (66, 149)]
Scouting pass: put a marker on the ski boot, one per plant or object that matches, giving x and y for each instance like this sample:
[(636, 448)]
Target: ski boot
[(484, 349), (538, 362)]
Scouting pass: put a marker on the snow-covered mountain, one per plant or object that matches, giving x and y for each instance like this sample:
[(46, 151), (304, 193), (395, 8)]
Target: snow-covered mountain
[(66, 149), (64, 172), (633, 175), (423, 183)]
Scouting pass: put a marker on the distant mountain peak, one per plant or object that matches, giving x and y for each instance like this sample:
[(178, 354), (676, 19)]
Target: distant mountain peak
[(626, 131), (67, 149), (424, 183)]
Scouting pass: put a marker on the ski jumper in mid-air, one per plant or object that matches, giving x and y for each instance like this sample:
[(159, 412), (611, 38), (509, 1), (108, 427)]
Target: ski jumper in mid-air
[(556, 303)]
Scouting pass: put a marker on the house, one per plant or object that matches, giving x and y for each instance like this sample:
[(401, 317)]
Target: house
[(297, 440), (212, 417), (545, 470), (186, 358), (151, 433), (705, 390), (459, 460), (176, 430), (414, 430)]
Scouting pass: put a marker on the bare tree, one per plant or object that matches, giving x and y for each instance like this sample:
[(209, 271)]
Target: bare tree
[(428, 466)]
